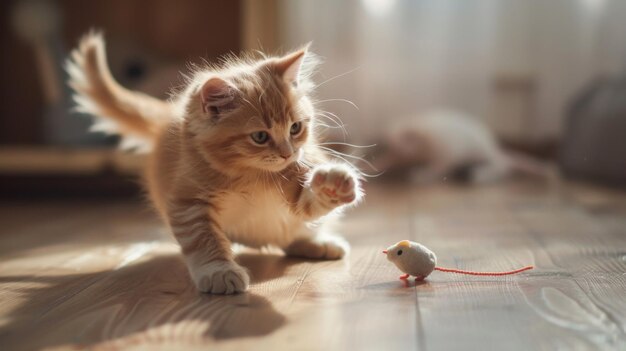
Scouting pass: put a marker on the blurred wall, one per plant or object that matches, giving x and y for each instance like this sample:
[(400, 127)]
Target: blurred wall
[(514, 64)]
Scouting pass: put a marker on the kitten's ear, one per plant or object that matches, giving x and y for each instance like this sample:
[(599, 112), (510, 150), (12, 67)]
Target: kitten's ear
[(217, 97), (289, 65)]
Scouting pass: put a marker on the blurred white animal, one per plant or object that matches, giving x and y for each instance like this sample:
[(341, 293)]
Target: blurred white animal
[(446, 143)]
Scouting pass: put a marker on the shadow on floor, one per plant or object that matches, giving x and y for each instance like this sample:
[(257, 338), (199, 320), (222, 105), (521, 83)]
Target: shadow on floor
[(155, 295)]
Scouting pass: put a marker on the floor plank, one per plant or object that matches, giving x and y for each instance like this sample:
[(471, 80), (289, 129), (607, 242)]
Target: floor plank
[(550, 307), (106, 275)]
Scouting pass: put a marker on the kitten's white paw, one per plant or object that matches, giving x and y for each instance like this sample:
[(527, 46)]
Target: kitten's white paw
[(335, 185), (326, 248), (220, 277)]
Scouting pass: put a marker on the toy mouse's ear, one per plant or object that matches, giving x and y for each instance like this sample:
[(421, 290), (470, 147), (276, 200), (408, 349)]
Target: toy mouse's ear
[(404, 243)]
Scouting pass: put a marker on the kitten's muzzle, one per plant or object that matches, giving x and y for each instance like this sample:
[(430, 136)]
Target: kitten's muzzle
[(286, 155), (285, 150)]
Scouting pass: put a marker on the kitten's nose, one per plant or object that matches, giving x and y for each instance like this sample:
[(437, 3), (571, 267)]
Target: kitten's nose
[(285, 151), (286, 155)]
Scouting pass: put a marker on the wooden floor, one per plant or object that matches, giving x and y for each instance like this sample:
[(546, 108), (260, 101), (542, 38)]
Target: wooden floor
[(106, 276)]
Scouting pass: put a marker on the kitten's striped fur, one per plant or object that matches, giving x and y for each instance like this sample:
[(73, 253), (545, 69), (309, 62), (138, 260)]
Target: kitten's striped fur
[(208, 178)]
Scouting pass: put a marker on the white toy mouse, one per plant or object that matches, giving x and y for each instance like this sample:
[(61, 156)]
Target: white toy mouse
[(417, 260), (412, 258)]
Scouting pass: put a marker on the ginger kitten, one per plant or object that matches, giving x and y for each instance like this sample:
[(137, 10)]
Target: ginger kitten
[(233, 158)]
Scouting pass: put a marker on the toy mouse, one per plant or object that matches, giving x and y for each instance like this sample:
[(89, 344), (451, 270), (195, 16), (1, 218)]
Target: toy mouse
[(417, 260)]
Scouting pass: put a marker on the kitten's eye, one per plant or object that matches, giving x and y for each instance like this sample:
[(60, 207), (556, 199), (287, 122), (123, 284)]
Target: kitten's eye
[(399, 252), (260, 137), (295, 128)]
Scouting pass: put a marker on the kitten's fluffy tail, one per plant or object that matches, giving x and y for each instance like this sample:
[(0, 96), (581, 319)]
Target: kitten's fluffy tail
[(134, 115)]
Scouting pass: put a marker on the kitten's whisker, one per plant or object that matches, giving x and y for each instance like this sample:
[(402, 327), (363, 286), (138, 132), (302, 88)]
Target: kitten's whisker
[(277, 184), (337, 124), (344, 133), (335, 152), (283, 176), (337, 100), (256, 183), (348, 144), (348, 162), (334, 119), (326, 126), (331, 116), (329, 126), (340, 155), (338, 76), (304, 164)]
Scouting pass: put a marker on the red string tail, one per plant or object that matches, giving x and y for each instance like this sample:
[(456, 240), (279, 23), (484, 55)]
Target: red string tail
[(461, 271)]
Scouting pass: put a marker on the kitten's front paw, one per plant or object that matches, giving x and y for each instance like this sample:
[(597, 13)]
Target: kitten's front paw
[(220, 277), (335, 185)]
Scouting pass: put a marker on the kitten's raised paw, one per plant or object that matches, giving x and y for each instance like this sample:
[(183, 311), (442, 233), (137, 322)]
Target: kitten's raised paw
[(220, 277), (326, 248), (335, 185)]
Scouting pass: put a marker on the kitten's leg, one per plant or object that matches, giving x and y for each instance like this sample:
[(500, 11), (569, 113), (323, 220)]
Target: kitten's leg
[(319, 246), (206, 249), (328, 187)]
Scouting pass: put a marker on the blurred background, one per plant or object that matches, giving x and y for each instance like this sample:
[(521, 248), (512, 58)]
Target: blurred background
[(542, 78)]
